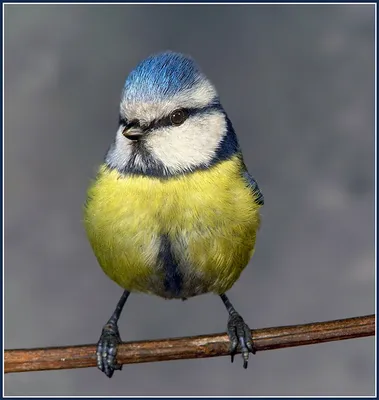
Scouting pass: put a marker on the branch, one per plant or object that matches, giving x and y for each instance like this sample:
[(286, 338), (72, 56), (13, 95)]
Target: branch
[(215, 345)]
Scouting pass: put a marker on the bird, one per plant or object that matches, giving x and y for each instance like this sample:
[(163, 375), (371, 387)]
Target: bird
[(172, 211)]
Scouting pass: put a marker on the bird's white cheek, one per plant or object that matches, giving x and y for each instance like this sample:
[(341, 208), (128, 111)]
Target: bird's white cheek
[(189, 145)]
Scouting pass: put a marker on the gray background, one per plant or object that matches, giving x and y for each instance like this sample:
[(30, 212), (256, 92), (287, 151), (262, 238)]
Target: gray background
[(298, 84)]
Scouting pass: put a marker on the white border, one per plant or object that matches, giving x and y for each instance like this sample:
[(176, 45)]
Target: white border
[(375, 194)]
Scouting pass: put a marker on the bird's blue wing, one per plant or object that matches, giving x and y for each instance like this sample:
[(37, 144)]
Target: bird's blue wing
[(253, 185)]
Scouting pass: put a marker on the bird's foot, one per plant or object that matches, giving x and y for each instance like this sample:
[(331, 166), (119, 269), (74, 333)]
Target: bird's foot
[(240, 334), (107, 349)]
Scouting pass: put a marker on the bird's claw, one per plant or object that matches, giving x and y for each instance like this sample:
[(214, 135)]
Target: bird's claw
[(107, 350), (240, 334)]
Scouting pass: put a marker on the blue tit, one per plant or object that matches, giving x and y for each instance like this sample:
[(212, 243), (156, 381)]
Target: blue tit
[(173, 211)]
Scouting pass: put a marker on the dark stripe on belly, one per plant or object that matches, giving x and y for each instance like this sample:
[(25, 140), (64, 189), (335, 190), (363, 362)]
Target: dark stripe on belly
[(173, 278)]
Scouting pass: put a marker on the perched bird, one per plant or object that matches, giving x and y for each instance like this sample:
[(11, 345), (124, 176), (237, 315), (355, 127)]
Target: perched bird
[(173, 211)]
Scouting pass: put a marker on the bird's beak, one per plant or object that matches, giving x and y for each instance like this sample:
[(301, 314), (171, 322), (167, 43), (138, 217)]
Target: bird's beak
[(133, 133)]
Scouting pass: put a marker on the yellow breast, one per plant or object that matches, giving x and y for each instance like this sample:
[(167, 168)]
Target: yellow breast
[(209, 218)]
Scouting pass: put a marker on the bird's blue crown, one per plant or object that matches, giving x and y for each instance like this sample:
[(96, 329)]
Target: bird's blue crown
[(161, 76)]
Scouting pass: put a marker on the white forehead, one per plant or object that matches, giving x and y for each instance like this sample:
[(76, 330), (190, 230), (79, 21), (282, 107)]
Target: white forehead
[(198, 96)]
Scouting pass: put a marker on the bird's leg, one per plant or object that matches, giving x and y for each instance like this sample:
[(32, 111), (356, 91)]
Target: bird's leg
[(239, 332), (109, 340)]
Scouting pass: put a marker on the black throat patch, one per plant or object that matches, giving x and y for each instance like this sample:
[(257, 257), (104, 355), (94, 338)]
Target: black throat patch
[(147, 164)]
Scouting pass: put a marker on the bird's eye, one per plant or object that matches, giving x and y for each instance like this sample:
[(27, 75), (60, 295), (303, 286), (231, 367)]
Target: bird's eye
[(177, 117)]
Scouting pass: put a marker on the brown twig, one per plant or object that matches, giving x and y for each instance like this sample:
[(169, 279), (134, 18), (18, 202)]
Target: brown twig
[(22, 360)]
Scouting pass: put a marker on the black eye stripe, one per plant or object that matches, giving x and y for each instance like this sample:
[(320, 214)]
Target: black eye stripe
[(157, 123), (129, 124), (166, 121)]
